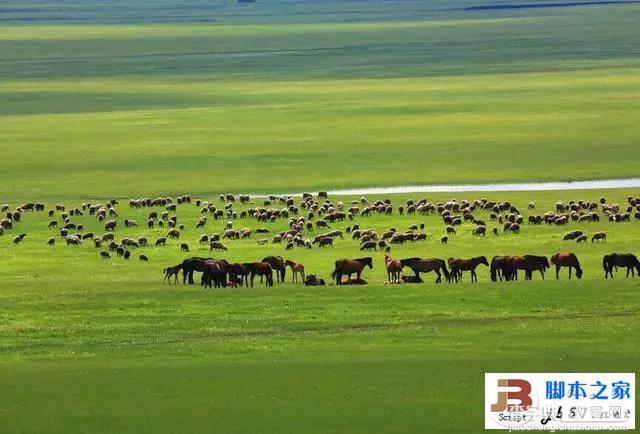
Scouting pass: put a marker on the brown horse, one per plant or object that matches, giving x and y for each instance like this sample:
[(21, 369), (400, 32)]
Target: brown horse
[(277, 265), (497, 267), (458, 265), (296, 268), (426, 265), (566, 259), (528, 263), (261, 269), (171, 271), (349, 267), (394, 269), (614, 260), (213, 272), (239, 273)]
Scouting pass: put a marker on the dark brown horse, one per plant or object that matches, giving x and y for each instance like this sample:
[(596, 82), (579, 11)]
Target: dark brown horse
[(214, 272), (239, 274), (426, 265), (349, 267), (459, 265), (277, 265), (261, 269), (566, 259), (528, 263), (394, 269), (614, 260), (496, 267)]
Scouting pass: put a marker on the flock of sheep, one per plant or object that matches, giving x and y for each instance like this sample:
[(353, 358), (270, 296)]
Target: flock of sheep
[(311, 221)]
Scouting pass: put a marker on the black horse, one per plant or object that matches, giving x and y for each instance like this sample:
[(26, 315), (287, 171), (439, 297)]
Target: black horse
[(190, 265), (615, 260), (278, 265)]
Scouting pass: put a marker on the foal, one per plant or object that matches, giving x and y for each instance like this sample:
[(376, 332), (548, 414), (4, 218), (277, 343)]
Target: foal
[(296, 267), (171, 271)]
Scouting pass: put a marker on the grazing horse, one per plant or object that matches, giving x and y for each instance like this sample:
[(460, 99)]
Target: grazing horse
[(261, 269), (239, 273), (171, 271), (566, 259), (459, 265), (394, 269), (497, 267), (614, 260), (214, 271), (190, 265), (296, 267), (277, 264), (349, 267), (528, 263), (425, 265)]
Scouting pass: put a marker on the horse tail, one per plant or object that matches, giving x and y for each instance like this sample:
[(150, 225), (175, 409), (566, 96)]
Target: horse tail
[(444, 269), (333, 274), (605, 262)]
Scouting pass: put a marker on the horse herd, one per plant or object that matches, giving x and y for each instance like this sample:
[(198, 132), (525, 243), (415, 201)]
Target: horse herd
[(312, 218), (221, 273)]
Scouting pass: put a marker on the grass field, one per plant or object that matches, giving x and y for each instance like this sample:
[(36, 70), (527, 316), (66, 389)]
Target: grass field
[(103, 346), (269, 105), (125, 99)]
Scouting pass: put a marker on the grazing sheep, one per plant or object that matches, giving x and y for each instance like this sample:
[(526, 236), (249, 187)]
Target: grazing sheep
[(450, 230), (144, 258), (127, 255), (599, 236), (444, 240), (216, 245), (73, 240), (184, 247), (369, 245), (51, 242), (581, 239), (479, 230), (110, 225), (495, 231), (105, 255), (162, 241)]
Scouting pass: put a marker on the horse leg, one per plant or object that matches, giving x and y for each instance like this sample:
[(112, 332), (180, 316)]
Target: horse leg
[(558, 272), (542, 274), (570, 272), (474, 276), (439, 278)]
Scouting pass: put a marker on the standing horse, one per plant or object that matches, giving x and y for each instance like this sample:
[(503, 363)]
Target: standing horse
[(394, 269), (168, 273), (239, 273), (349, 267), (190, 265), (528, 263), (497, 267), (212, 272), (261, 269), (425, 265), (277, 264), (458, 265), (296, 268), (614, 260), (566, 259)]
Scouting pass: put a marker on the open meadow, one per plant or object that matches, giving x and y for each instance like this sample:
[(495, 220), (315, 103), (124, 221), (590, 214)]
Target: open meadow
[(120, 100)]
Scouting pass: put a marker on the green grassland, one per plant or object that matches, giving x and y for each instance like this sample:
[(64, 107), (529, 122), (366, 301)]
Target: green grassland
[(289, 102), (103, 346), (102, 99)]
